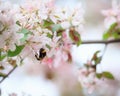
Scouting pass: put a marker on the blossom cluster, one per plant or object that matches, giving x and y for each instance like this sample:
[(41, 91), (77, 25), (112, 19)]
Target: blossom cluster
[(88, 75), (36, 24), (112, 22)]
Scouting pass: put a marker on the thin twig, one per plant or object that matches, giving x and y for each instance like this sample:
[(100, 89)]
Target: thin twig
[(104, 51), (101, 41), (8, 74)]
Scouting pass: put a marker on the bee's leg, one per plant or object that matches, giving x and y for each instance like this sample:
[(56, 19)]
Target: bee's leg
[(36, 55)]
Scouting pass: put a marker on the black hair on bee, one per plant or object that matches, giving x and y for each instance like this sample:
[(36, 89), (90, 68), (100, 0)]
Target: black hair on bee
[(41, 55)]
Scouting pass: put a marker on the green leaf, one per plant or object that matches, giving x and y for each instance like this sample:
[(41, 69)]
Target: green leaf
[(106, 35), (25, 32), (98, 60), (2, 56), (95, 58), (75, 37), (56, 27), (107, 75), (59, 33), (49, 35), (24, 38), (48, 46), (112, 27), (2, 75), (116, 35), (16, 51), (47, 23), (98, 75), (110, 32)]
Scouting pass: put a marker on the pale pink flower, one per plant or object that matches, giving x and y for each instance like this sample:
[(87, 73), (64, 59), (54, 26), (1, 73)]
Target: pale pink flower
[(65, 24), (111, 12), (112, 16), (48, 62), (87, 78), (109, 21), (7, 19), (50, 3)]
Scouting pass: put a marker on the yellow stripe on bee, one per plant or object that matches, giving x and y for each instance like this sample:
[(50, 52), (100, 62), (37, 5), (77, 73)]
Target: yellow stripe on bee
[(43, 51)]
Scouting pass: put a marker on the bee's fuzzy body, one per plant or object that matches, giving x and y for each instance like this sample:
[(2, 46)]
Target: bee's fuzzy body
[(41, 55)]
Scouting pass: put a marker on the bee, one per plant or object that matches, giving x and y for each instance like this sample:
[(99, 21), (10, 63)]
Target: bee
[(41, 55)]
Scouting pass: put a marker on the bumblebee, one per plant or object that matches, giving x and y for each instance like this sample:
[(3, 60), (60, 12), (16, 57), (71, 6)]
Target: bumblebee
[(41, 55)]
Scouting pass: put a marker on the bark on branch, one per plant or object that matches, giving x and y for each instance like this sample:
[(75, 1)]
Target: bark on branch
[(101, 41), (8, 74)]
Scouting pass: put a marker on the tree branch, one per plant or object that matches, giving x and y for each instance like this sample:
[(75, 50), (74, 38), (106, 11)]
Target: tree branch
[(8, 74), (101, 41), (83, 42)]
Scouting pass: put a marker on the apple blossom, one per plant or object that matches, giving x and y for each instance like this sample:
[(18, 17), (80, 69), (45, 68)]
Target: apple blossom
[(36, 24)]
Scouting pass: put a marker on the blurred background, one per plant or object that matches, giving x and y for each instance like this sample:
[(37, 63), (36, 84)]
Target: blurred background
[(38, 80)]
